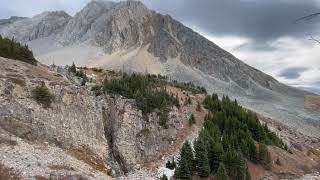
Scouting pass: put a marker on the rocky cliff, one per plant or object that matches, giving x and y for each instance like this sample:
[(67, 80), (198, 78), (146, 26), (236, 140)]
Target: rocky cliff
[(86, 135), (128, 36)]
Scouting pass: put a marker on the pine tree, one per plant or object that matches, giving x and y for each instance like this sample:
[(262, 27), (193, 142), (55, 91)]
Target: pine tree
[(72, 68), (164, 177), (217, 152), (221, 173), (201, 159), (183, 171), (264, 156), (185, 165)]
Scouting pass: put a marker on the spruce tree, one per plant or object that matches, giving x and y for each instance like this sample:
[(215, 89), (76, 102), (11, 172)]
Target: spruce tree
[(221, 173), (217, 152), (72, 68), (183, 171), (264, 156), (164, 177), (185, 165), (201, 159)]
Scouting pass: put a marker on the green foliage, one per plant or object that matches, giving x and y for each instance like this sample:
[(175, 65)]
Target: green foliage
[(238, 126), (201, 158), (221, 173), (189, 87), (171, 164), (11, 49), (42, 95), (264, 156), (192, 119), (229, 136), (235, 165), (73, 68), (164, 177), (186, 162), (149, 91), (216, 157), (97, 90), (188, 101)]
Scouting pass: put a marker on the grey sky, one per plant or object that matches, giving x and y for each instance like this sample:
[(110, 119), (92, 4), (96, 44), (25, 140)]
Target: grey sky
[(259, 32)]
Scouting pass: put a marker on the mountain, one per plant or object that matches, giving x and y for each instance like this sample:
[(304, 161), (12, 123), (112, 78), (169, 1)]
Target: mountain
[(130, 37)]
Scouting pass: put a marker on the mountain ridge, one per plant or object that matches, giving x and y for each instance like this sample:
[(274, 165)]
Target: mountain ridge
[(129, 36)]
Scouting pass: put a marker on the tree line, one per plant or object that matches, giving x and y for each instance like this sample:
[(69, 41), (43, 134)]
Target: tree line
[(11, 49), (230, 137)]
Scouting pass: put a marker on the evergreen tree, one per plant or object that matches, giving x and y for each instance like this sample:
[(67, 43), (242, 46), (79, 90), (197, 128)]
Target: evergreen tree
[(42, 95), (183, 169), (217, 152), (221, 173), (234, 164), (72, 68), (201, 159), (264, 156), (164, 177), (11, 49), (185, 165), (192, 119)]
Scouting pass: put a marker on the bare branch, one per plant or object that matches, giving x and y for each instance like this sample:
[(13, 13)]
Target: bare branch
[(307, 18), (313, 39)]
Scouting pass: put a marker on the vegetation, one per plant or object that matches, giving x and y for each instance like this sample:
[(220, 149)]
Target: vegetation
[(164, 177), (189, 87), (186, 162), (229, 138), (149, 92), (171, 164), (42, 95), (222, 173), (72, 68), (192, 120), (11, 49)]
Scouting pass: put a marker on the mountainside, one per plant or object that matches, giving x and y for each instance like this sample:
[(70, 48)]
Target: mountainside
[(86, 135), (128, 36)]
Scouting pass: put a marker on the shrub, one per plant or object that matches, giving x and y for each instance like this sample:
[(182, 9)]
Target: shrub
[(42, 95), (192, 120)]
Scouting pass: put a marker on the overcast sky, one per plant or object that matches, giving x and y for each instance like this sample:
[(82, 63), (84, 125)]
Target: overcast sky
[(259, 32)]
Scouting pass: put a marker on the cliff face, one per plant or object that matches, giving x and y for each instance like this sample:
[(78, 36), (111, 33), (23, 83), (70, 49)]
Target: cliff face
[(106, 133)]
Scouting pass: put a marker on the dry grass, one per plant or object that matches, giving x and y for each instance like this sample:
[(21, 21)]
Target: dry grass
[(86, 155), (315, 151), (18, 81), (8, 174)]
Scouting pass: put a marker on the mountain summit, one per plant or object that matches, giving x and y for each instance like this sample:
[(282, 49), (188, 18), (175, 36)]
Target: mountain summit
[(128, 36)]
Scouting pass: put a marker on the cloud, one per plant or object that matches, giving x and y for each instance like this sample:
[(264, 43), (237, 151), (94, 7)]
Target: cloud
[(293, 61), (292, 73), (261, 20)]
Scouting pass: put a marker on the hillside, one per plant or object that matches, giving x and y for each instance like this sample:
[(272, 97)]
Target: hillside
[(94, 135), (128, 36)]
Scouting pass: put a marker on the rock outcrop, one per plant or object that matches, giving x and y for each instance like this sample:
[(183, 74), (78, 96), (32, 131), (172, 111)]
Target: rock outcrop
[(106, 133)]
